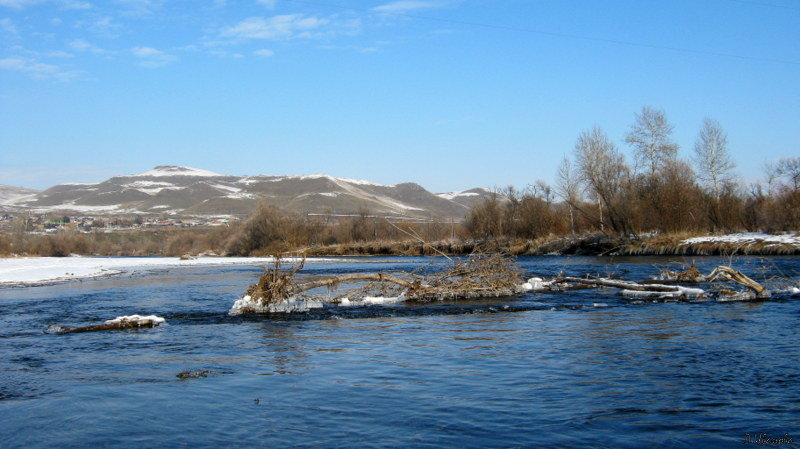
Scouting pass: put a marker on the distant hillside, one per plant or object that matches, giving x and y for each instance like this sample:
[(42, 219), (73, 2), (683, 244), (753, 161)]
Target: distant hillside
[(184, 191), (11, 194)]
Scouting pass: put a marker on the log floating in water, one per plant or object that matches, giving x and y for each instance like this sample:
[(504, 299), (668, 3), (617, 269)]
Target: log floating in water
[(119, 323)]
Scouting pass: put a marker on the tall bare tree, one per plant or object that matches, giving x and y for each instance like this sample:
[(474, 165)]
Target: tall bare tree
[(568, 189), (602, 170), (713, 162), (651, 139)]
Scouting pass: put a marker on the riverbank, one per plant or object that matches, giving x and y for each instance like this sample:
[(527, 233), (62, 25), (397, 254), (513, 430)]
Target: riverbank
[(683, 244), (753, 244)]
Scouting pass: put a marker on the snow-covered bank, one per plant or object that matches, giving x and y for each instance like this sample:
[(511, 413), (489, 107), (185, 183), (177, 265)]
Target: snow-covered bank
[(45, 270), (745, 238)]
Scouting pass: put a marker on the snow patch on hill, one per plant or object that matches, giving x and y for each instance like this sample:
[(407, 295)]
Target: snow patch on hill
[(453, 195), (172, 170), (321, 176)]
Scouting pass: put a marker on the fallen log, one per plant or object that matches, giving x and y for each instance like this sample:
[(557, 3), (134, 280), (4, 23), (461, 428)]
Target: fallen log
[(119, 323), (333, 281), (613, 283)]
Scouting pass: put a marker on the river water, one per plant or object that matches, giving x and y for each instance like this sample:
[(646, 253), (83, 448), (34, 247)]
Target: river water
[(578, 369)]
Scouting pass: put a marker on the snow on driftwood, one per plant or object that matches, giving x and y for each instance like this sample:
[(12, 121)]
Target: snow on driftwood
[(277, 290), (118, 323)]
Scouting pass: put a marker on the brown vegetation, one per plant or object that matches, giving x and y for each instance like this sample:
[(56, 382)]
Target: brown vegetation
[(476, 277)]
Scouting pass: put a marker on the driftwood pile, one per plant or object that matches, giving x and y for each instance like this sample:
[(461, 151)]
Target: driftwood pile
[(478, 277), (667, 287)]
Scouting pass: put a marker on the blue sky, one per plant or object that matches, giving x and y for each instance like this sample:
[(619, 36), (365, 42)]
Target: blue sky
[(450, 94)]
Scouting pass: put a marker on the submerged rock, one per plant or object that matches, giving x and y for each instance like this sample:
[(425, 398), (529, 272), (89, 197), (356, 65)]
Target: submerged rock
[(193, 374)]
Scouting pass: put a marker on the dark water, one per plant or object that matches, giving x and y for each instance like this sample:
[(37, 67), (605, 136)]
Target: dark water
[(511, 372)]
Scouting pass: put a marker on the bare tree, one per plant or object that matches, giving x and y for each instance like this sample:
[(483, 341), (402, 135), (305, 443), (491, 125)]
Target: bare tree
[(771, 176), (603, 172), (790, 167), (568, 189), (651, 138), (713, 162)]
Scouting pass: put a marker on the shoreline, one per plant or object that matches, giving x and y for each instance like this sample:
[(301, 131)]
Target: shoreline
[(740, 244), (39, 271), (27, 271)]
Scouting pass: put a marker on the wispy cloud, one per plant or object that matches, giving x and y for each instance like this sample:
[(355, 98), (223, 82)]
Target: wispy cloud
[(36, 69), (75, 4), (406, 6), (287, 26), (66, 4), (19, 4), (7, 26), (139, 7), (81, 45), (105, 26), (152, 58)]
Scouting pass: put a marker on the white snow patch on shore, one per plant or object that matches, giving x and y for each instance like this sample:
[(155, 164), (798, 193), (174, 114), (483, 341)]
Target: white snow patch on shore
[(40, 270), (747, 238)]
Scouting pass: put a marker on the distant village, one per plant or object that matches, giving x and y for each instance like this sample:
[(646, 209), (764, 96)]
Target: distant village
[(51, 224)]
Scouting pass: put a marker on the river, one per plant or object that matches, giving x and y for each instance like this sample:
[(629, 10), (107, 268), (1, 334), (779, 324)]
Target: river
[(559, 370)]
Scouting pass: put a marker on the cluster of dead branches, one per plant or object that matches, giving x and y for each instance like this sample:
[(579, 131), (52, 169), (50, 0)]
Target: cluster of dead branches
[(668, 288), (482, 277), (477, 276)]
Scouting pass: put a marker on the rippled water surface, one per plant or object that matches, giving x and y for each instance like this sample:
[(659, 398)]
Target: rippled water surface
[(578, 369)]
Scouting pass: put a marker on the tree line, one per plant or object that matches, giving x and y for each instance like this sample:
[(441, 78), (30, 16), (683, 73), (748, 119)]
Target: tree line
[(597, 189)]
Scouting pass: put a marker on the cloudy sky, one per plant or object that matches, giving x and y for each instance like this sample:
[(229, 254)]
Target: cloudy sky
[(451, 94)]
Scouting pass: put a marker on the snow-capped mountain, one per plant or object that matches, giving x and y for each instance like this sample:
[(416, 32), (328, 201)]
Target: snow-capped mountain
[(183, 191)]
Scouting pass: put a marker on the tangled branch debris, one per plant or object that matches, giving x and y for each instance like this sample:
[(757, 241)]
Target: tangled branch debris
[(730, 275), (475, 277), (692, 275)]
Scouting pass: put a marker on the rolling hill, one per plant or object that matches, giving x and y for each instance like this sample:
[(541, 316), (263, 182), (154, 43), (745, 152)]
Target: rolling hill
[(185, 191)]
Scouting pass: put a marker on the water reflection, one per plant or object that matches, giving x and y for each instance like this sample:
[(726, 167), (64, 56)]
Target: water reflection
[(283, 351)]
